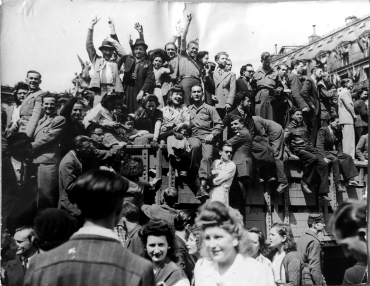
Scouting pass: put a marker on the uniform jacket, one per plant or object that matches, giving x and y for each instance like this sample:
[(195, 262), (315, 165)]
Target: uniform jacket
[(242, 85), (185, 260), (328, 143), (99, 63), (266, 84), (30, 112), (70, 169), (242, 152), (14, 272), (268, 128), (225, 88), (309, 246), (295, 86), (45, 143), (310, 94), (248, 122), (89, 260), (296, 138)]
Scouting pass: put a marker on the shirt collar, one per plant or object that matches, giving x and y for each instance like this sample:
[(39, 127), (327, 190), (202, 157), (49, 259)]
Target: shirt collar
[(96, 230), (194, 107)]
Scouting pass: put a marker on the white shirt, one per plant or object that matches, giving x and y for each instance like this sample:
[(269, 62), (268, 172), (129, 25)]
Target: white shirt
[(278, 268), (15, 114), (225, 172), (243, 272)]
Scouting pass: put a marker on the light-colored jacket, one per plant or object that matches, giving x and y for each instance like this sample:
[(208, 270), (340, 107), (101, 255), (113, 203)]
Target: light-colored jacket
[(243, 272), (225, 88), (346, 109)]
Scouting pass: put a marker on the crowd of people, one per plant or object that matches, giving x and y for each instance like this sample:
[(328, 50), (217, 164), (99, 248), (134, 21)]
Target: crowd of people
[(65, 158)]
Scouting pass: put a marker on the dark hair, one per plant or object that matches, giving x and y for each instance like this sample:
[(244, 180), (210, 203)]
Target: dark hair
[(49, 95), (316, 68), (295, 63), (333, 117), (349, 217), (33, 71), (345, 81), (192, 42), (149, 98), (219, 55), (160, 227), (240, 97), (109, 97), (183, 218), (130, 212), (265, 55), (99, 193), (169, 100), (170, 196), (261, 239), (284, 229), (92, 127), (243, 69), (170, 43), (360, 91), (20, 85), (79, 140), (226, 145), (158, 53), (201, 55), (196, 85)]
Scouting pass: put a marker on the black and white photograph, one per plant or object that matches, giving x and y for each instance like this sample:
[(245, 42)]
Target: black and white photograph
[(200, 143)]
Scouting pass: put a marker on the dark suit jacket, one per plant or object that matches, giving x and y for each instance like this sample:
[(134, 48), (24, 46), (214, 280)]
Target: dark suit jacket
[(14, 272), (46, 139), (242, 152), (295, 86), (185, 261), (327, 143), (134, 242), (9, 112), (310, 94), (89, 260)]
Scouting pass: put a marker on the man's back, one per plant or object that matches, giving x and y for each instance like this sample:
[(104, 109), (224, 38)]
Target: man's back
[(89, 260)]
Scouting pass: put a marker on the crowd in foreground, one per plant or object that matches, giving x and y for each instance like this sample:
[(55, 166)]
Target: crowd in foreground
[(218, 133)]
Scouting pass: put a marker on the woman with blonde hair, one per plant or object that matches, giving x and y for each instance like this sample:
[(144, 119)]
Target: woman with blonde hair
[(287, 263), (222, 263)]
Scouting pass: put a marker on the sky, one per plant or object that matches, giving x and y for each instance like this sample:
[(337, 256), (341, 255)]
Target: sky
[(46, 35)]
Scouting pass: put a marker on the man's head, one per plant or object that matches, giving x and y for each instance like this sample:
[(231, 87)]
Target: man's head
[(107, 52), (49, 104), (266, 60), (363, 93), (130, 213), (283, 70), (82, 146), (96, 133), (185, 220), (196, 93), (20, 92), (236, 124), (33, 80), (247, 71), (297, 65), (225, 152), (317, 72), (239, 98), (170, 49), (111, 101), (192, 49), (221, 59), (334, 121), (349, 228), (99, 195), (23, 238), (229, 65), (77, 111), (316, 222), (296, 115), (170, 196)]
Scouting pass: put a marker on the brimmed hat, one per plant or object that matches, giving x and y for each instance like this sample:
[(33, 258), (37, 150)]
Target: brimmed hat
[(139, 42), (158, 212), (106, 44)]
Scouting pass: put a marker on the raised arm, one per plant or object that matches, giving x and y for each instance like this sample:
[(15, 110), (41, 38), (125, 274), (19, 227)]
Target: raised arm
[(140, 30), (185, 33), (89, 41), (112, 27)]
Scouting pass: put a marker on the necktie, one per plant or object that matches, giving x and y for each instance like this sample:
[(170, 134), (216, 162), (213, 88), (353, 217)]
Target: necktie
[(220, 72), (25, 261)]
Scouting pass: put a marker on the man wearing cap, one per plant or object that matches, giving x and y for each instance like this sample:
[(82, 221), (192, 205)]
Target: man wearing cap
[(299, 146), (189, 72), (266, 83), (206, 126), (165, 211), (309, 246), (105, 77), (138, 76)]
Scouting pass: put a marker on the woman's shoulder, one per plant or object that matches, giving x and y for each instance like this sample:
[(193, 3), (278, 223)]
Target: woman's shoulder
[(293, 255)]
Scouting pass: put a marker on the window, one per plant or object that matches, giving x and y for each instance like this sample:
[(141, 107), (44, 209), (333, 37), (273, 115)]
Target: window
[(320, 44), (340, 35), (351, 30), (330, 39), (363, 24), (345, 59)]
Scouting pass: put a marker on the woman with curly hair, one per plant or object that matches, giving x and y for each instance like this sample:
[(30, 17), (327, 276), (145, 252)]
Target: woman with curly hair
[(223, 264), (158, 238), (207, 68), (287, 263)]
